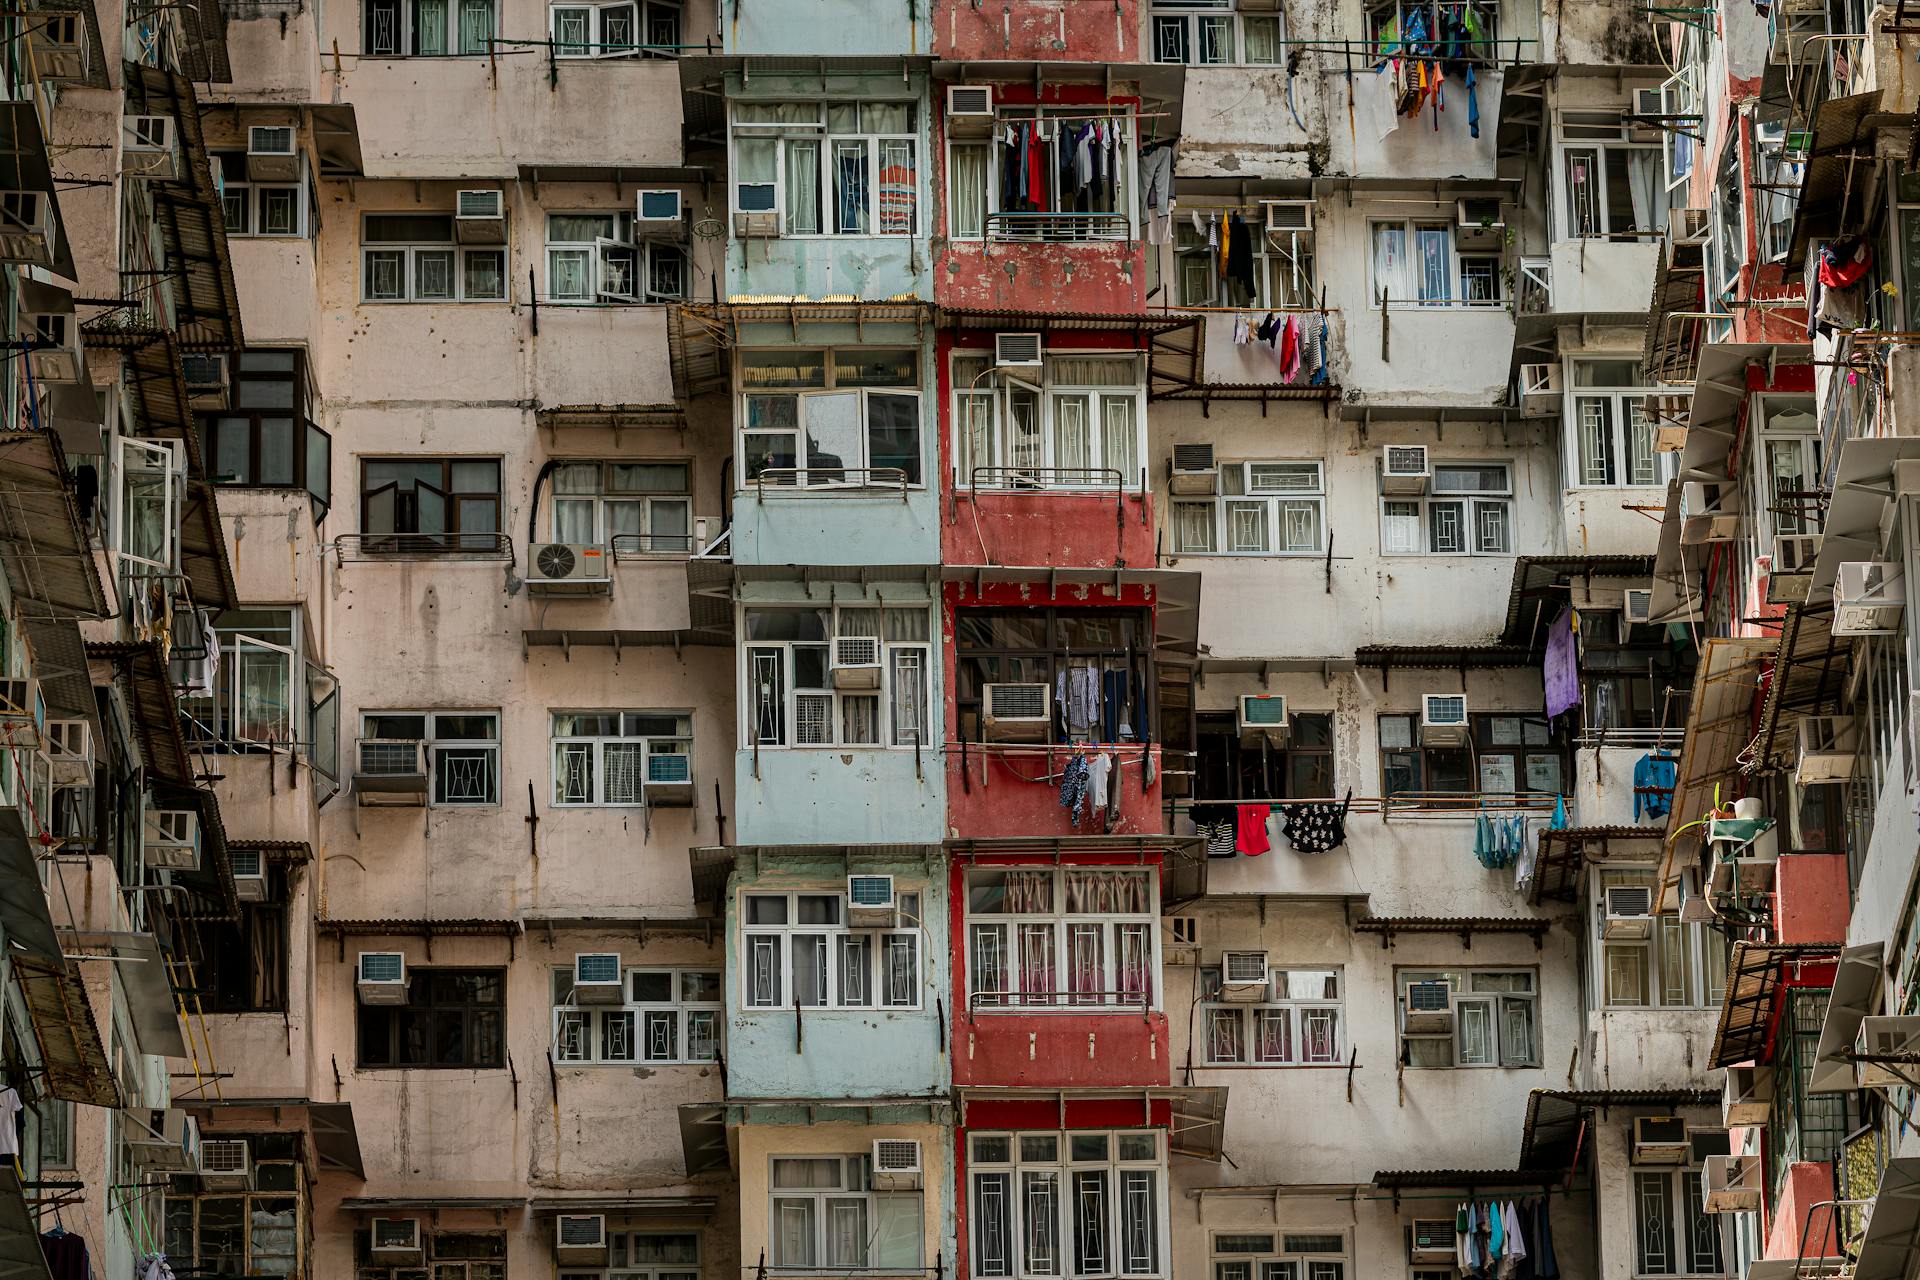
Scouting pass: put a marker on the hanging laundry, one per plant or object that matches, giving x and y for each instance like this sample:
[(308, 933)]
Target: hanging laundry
[(1251, 834), (1562, 667), (1653, 780), (1239, 269), (1290, 351), (1156, 193), (1373, 105), (1098, 769), (1077, 690), (1473, 104), (1315, 827), (1321, 373), (66, 1255), (1073, 788), (1113, 793), (1545, 1265), (1516, 1247), (1559, 822)]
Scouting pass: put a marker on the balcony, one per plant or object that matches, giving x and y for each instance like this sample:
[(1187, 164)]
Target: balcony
[(1058, 263), (1071, 517), (1002, 789)]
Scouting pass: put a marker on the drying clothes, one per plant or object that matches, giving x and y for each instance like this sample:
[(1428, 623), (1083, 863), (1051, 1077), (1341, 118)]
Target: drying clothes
[(1374, 118), (1099, 769), (1559, 822), (1242, 331), (1473, 105), (1290, 351), (1115, 693), (1215, 824), (1562, 666), (1220, 839), (1653, 779), (66, 1255), (1238, 259), (1251, 832), (1156, 194), (1113, 793), (1463, 1239), (10, 1109), (1516, 1247), (1496, 1234), (1073, 788), (1077, 689), (1544, 1264), (1321, 373), (1314, 828)]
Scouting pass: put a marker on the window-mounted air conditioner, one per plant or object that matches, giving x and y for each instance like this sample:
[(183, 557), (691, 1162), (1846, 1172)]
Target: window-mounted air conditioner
[(1016, 712), (22, 709), (1180, 940), (1432, 1240), (55, 351), (1404, 468), (669, 776), (1018, 350), (1443, 720), (756, 224), (1245, 976), (597, 978), (249, 874), (1627, 912), (1191, 471), (870, 902), (567, 568), (1263, 716), (224, 1165), (59, 45), (1826, 747), (1869, 598), (896, 1163), (856, 662), (480, 216), (26, 228), (1748, 1096), (395, 1240), (1660, 1140), (580, 1239), (1429, 1010), (658, 209), (1637, 607), (1478, 221), (1709, 511), (147, 147), (1540, 390), (1649, 114), (164, 1141), (380, 977), (1883, 1037), (1730, 1184), (1791, 572), (272, 155), (1287, 216), (171, 839), (206, 379), (970, 100), (69, 748)]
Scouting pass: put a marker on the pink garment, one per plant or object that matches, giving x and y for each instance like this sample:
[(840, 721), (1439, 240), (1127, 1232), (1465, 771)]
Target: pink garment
[(1250, 835)]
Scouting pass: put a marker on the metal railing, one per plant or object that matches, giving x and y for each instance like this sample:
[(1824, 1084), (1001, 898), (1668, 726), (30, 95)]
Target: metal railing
[(1821, 67), (1042, 479), (1029, 1001), (788, 480), (1057, 228), (424, 546), (1464, 804), (1637, 739), (652, 544), (1533, 287)]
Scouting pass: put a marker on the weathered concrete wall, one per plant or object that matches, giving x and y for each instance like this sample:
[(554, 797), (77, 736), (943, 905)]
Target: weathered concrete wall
[(833, 28), (1038, 31)]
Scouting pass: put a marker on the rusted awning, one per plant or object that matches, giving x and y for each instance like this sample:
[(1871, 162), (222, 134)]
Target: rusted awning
[(204, 52), (1753, 985), (43, 544), (1837, 191), (24, 166), (72, 1055), (1447, 657), (1564, 854), (617, 417), (1542, 583), (1809, 678), (1719, 725), (156, 717), (638, 1206)]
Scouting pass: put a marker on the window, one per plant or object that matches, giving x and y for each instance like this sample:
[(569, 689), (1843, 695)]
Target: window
[(452, 1255), (645, 1255), (1803, 1127), (1299, 1256), (149, 499), (1093, 663), (1673, 1234), (606, 758), (255, 1234), (790, 699), (857, 428), (1612, 436), (429, 505), (833, 168), (463, 749), (1466, 511), (622, 30), (1263, 509), (427, 28), (412, 257), (1215, 36), (250, 208), (828, 1216), (262, 438), (1416, 264), (1283, 267), (1516, 753), (1077, 425), (669, 1016), (1629, 674), (241, 967), (990, 194), (1495, 1017), (1297, 1025), (1612, 185), (452, 1018), (1679, 966), (255, 700), (799, 950), (1789, 470), (595, 257), (1226, 768), (56, 1133), (635, 507), (1069, 938), (1072, 1204)]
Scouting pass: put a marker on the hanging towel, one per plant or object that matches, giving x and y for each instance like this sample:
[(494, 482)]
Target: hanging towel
[(1562, 667), (1098, 769), (1496, 1234), (1374, 114), (1473, 104), (1516, 1247), (1559, 822), (1290, 351), (1251, 836)]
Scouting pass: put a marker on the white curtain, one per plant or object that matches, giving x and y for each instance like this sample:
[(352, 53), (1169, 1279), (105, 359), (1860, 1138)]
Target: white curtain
[(1120, 437), (967, 190), (1390, 276), (803, 188), (1644, 185)]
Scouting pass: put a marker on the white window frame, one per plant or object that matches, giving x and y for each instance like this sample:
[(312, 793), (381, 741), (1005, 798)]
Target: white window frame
[(597, 44), (802, 130), (1623, 404), (1274, 504), (165, 460), (1491, 1002), (835, 476), (403, 37), (1246, 1020), (1278, 1255), (594, 746), (623, 1263), (1195, 16), (1473, 505), (487, 747), (409, 254), (646, 501), (606, 258), (899, 724), (1408, 283), (1606, 129), (252, 195), (1062, 230), (1296, 262), (1024, 471), (1061, 927), (584, 1035), (1769, 524), (854, 1186), (1681, 1189), (1668, 936), (844, 947), (1030, 1246)]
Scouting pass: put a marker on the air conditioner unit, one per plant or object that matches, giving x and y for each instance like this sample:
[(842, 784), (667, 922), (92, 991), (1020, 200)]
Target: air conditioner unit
[(1689, 226), (1288, 216), (856, 662), (206, 378), (69, 748), (1263, 716), (1649, 115), (1432, 1240), (1478, 221), (395, 1240), (1748, 1096), (1245, 976), (657, 208), (1730, 1184), (669, 776), (1791, 573), (55, 351), (224, 1165), (272, 155), (1628, 912), (1404, 468), (21, 707), (164, 1140), (1429, 1010), (580, 1239), (1443, 720), (380, 977), (480, 216), (1869, 598), (597, 978), (1191, 471), (1016, 712), (1539, 390), (59, 45), (1180, 940), (756, 225), (172, 839), (567, 568), (249, 874), (26, 228), (1018, 350), (896, 1163), (1884, 1037), (1709, 511), (870, 902), (1827, 746), (970, 101), (1637, 608), (147, 147), (1660, 1140)]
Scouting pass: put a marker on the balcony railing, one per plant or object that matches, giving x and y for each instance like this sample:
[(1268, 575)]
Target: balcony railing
[(1031, 1001), (1032, 479), (1058, 228), (785, 481), (424, 546)]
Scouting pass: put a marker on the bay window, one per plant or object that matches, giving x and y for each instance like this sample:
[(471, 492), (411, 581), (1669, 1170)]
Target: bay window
[(668, 1016), (1078, 424), (1495, 1017), (1466, 511), (1788, 476), (413, 257), (798, 950), (827, 1215), (790, 698), (597, 257), (1093, 663), (263, 693), (633, 507), (1677, 966), (606, 758), (1297, 1024), (1418, 264), (828, 168), (814, 418), (1612, 183), (1613, 437), (1072, 938), (262, 438), (1067, 1204), (1263, 509), (249, 208)]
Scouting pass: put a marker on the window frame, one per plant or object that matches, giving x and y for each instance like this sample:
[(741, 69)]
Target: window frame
[(237, 190), (1220, 756), (1274, 503), (1114, 654), (596, 1025), (1060, 924), (1416, 299), (598, 742), (1493, 1000), (1472, 503), (623, 1248), (1682, 1201), (889, 699), (487, 747), (875, 945), (1063, 231), (819, 131), (191, 1206), (801, 392), (410, 251), (1297, 264), (470, 1011), (1597, 121), (854, 1184), (1698, 974), (406, 33), (1623, 406), (1190, 16), (1019, 1177), (1479, 749), (643, 254), (1247, 1019), (1043, 473), (1282, 1257), (606, 494), (310, 445), (452, 539)]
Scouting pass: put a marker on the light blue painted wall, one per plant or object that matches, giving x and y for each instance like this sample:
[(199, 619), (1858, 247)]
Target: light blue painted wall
[(843, 1053), (836, 28), (824, 795)]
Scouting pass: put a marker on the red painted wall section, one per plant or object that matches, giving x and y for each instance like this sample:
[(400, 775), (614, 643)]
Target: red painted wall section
[(1811, 902), (1806, 1185), (1037, 31)]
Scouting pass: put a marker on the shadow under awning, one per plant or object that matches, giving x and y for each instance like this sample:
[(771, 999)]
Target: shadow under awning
[(26, 927), (1855, 984), (43, 546), (20, 1255), (24, 167), (1893, 1230), (72, 1055), (703, 1137)]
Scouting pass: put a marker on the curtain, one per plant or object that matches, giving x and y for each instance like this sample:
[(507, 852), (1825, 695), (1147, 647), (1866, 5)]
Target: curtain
[(1107, 893), (1120, 437), (430, 27), (850, 187), (1029, 892), (810, 968), (1645, 188), (1093, 371), (1262, 38), (1276, 1036), (1223, 1035), (1389, 262), (476, 26), (976, 431), (803, 188), (1435, 263), (1086, 954), (967, 194), (898, 187)]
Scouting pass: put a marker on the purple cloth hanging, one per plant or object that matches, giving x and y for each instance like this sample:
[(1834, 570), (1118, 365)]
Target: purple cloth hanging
[(1562, 672)]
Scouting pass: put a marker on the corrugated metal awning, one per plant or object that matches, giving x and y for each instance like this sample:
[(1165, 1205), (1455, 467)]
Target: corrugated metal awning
[(1753, 984), (1856, 984), (26, 926), (143, 980), (24, 167), (1719, 726), (1564, 854), (20, 1255), (71, 1052), (1809, 677), (43, 545), (163, 749)]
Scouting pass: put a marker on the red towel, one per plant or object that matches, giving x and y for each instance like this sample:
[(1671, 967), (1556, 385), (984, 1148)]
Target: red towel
[(1250, 836)]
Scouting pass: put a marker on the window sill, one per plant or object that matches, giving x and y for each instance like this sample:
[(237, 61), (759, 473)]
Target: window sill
[(822, 1010), (367, 1071), (1249, 555), (1273, 1066), (436, 302), (648, 1063), (1053, 1010), (747, 748), (609, 304)]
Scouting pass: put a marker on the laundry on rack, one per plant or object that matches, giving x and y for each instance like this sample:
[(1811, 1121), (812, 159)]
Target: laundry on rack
[(1251, 834), (1654, 776), (1315, 826), (1156, 193), (66, 1255), (1290, 351), (1099, 767), (1498, 842), (1077, 690), (1237, 268), (1559, 821), (1215, 824), (1073, 788)]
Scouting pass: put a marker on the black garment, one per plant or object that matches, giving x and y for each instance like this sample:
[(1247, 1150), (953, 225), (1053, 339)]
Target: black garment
[(66, 1255), (1315, 827), (1215, 824), (1240, 257)]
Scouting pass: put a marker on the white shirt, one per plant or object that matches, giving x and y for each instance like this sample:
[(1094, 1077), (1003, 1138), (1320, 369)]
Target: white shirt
[(9, 1129)]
